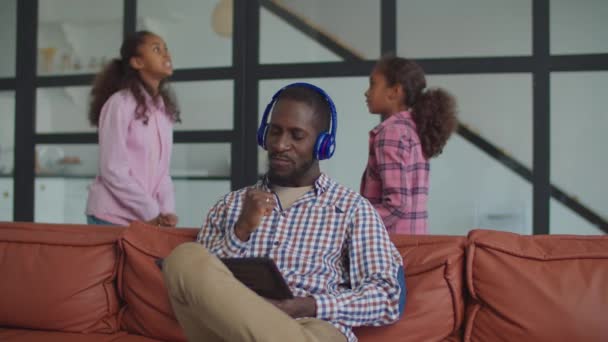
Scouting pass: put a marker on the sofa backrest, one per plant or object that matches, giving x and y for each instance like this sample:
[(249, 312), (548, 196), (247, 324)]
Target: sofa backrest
[(147, 309), (484, 287), (537, 288), (434, 273), (59, 277)]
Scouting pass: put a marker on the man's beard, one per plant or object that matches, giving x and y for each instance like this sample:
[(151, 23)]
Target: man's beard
[(291, 178)]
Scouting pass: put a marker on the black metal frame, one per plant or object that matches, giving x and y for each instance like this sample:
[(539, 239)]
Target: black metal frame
[(25, 93), (246, 71)]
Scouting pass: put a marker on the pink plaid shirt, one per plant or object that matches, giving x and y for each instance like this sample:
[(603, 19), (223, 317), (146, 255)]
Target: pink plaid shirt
[(330, 244), (396, 179)]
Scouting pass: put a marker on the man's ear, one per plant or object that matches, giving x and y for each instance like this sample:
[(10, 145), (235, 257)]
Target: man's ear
[(136, 63)]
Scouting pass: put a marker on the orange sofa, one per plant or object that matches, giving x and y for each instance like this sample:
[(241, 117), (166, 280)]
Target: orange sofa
[(91, 283)]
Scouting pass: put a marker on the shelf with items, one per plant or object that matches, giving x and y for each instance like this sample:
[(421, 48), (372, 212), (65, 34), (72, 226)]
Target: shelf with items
[(67, 48)]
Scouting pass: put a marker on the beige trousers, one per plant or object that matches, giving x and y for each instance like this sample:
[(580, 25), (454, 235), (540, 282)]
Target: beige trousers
[(212, 305)]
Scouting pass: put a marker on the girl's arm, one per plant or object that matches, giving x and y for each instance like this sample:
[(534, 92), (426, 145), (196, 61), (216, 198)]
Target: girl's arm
[(392, 154)]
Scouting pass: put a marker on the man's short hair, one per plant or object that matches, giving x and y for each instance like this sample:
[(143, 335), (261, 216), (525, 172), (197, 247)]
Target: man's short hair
[(312, 98)]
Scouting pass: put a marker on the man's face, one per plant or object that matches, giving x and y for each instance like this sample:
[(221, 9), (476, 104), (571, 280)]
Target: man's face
[(291, 137)]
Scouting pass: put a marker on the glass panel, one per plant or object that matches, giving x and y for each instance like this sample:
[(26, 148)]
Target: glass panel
[(503, 121), (201, 160), (566, 221), (194, 198), (69, 160), (470, 189), (7, 146), (6, 198), (63, 174), (198, 33), (205, 105), (7, 132), (578, 26), (61, 199), (76, 37), (350, 25), (465, 28), (63, 109), (486, 194), (579, 121), (354, 123), (200, 173), (8, 37), (188, 160)]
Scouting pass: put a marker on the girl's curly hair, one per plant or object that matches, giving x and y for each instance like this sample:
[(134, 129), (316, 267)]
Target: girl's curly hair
[(433, 110), (118, 75)]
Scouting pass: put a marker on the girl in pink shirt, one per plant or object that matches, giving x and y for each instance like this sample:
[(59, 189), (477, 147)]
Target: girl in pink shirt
[(134, 111), (417, 123)]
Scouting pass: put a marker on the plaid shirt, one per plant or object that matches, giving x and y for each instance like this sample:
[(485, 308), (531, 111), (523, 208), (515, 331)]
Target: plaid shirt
[(396, 179), (330, 244)]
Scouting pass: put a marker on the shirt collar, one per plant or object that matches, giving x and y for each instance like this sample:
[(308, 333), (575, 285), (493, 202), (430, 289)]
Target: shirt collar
[(390, 120), (159, 104), (321, 184)]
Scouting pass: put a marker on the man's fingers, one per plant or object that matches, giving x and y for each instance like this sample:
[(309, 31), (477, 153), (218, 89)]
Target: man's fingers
[(262, 198)]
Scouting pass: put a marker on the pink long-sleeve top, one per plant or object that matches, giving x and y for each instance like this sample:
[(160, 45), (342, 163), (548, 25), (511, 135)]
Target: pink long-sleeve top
[(133, 181)]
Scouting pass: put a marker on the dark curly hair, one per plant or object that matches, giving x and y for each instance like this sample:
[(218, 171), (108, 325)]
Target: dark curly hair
[(433, 110), (118, 75)]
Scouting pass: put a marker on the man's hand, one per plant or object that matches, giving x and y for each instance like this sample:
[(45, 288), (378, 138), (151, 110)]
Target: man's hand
[(167, 220), (297, 307), (257, 204)]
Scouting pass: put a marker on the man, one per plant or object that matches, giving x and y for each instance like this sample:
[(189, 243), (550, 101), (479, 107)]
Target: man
[(328, 242)]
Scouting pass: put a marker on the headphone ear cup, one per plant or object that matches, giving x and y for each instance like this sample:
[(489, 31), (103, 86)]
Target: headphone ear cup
[(330, 148), (262, 135), (324, 146)]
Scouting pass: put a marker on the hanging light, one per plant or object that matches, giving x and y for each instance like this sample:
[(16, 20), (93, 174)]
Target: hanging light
[(221, 19)]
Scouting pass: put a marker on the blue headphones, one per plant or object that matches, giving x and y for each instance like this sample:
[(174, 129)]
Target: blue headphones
[(326, 141)]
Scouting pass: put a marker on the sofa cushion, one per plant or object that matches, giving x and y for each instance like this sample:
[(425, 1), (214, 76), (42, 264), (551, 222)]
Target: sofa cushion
[(537, 288), (148, 311), (59, 277), (434, 276), (21, 335)]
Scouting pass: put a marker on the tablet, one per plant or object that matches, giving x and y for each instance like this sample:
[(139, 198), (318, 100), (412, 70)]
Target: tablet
[(261, 275)]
